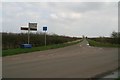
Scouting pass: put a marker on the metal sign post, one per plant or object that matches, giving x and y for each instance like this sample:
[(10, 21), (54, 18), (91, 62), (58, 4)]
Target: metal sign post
[(45, 29), (45, 38), (31, 27), (28, 35)]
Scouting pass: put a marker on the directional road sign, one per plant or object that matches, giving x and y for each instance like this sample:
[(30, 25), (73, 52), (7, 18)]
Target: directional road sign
[(25, 28), (44, 28)]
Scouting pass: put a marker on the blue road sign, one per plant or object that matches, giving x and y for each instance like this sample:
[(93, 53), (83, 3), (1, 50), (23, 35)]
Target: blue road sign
[(44, 28), (26, 45)]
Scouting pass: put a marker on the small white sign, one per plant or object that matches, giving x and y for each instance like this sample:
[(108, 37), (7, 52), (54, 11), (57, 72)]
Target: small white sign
[(33, 25)]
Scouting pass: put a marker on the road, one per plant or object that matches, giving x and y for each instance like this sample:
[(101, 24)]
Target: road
[(76, 61)]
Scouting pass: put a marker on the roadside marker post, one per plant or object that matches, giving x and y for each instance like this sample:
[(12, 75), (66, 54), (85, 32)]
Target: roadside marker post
[(45, 29)]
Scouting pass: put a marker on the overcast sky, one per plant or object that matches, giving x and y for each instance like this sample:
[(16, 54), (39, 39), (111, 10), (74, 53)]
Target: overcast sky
[(63, 18)]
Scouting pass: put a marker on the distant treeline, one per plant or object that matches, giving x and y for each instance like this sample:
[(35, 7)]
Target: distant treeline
[(114, 39), (14, 40)]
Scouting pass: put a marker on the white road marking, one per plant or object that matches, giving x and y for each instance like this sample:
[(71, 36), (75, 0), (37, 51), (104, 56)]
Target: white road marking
[(88, 44)]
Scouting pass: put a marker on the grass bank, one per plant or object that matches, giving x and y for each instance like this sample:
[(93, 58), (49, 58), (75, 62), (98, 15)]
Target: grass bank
[(16, 51), (99, 44)]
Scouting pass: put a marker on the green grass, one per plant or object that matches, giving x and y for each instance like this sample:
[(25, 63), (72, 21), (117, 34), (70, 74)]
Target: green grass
[(26, 50), (99, 44)]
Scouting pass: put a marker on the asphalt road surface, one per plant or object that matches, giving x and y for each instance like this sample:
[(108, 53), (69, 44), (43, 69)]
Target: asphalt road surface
[(76, 61)]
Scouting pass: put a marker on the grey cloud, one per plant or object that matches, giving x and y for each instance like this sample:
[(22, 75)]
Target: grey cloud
[(77, 7), (68, 18)]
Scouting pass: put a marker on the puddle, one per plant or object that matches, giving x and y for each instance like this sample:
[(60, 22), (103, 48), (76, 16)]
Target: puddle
[(112, 75), (108, 76)]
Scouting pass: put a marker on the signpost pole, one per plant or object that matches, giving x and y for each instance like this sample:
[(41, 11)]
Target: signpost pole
[(28, 34), (45, 29), (45, 38)]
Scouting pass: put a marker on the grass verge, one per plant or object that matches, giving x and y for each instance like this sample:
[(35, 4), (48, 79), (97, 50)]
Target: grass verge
[(26, 50), (99, 44)]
